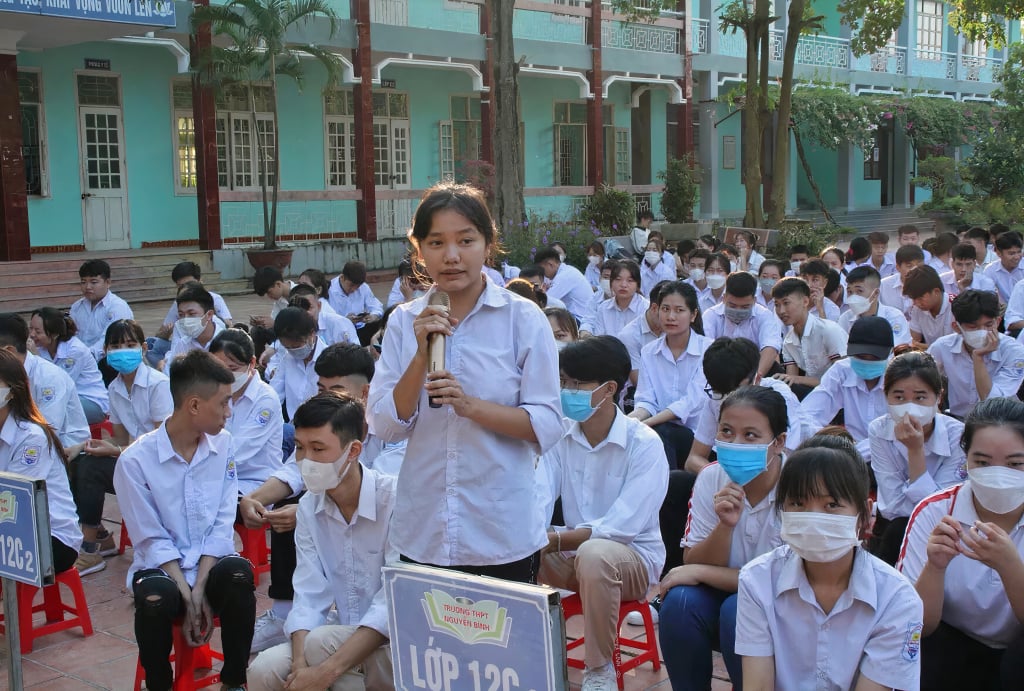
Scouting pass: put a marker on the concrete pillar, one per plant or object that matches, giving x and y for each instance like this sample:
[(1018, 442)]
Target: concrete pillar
[(595, 114), (366, 206), (486, 108), (709, 145), (204, 118)]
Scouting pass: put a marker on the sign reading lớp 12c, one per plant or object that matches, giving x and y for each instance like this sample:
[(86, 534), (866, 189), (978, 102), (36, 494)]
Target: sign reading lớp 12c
[(25, 551), (454, 632)]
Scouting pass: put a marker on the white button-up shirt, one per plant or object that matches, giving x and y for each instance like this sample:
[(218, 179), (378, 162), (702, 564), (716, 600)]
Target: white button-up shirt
[(469, 499), (26, 450), (944, 461), (975, 599), (572, 288), (635, 335), (74, 357), (177, 510), (872, 631), (146, 406), (1015, 307), (756, 532), (651, 276), (890, 292), (615, 488), (256, 426), (1005, 366), (676, 384), (897, 320), (294, 381), (932, 328), (181, 344), (823, 343), (841, 389), (92, 320), (888, 267), (979, 281), (57, 399), (358, 301), (220, 308), (348, 575), (1004, 280), (762, 327), (381, 457), (610, 320), (334, 328), (707, 425)]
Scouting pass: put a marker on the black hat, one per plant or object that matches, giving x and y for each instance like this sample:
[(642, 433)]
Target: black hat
[(870, 336)]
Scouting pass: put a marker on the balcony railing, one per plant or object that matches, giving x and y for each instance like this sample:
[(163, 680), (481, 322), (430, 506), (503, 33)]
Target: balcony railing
[(936, 64), (699, 35), (643, 37), (551, 26), (444, 15), (975, 68), (890, 59)]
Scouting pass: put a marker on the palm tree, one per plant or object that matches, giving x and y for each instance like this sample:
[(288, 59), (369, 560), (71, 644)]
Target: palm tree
[(251, 44)]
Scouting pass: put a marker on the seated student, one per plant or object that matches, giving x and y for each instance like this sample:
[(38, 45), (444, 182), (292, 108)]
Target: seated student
[(407, 286), (981, 239), (930, 315), (798, 254), (915, 450), (535, 275), (881, 260), (269, 282), (739, 316), (331, 326), (891, 288), (963, 553), (519, 286), (567, 283), (1007, 272), (942, 252), (563, 326), (835, 291), (641, 233), (595, 260), (611, 475), (819, 610), (53, 334), (978, 361), (859, 253), (338, 624), (966, 273), (862, 293), (747, 257), (654, 268), (626, 304), (909, 234), (602, 294), (317, 279), (189, 272), (1015, 310), (732, 520), (294, 380), (770, 273), (815, 273), (836, 260), (98, 307), (184, 562), (351, 297), (853, 385), (716, 270), (811, 344), (670, 387), (696, 263), (140, 400), (642, 330), (197, 324)]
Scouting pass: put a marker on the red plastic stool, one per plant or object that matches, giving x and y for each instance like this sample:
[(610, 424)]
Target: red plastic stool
[(254, 548), (54, 607), (572, 606), (96, 431), (187, 661), (125, 541)]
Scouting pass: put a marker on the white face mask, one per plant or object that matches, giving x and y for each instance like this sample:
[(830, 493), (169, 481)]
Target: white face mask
[(998, 488), (606, 287), (560, 345), (795, 268), (697, 274), (241, 379), (858, 304), (5, 395), (922, 413), (594, 259), (191, 326), (652, 257), (716, 281), (323, 477), (975, 339), (819, 537)]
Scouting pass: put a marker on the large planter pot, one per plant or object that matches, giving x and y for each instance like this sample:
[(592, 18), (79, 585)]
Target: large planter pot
[(278, 258)]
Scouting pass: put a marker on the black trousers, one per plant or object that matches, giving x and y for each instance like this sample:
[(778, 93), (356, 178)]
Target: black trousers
[(63, 556), (521, 571), (282, 559), (888, 538), (677, 440), (92, 478), (158, 603), (953, 661), (674, 512)]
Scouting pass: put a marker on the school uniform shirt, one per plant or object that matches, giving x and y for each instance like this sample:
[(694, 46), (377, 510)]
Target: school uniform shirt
[(944, 461), (294, 381), (592, 273), (334, 328), (1004, 280), (635, 335), (841, 389), (220, 308), (832, 311), (1005, 366), (762, 327), (940, 266), (177, 510), (651, 276), (74, 357), (890, 292), (146, 406), (256, 426), (756, 532), (395, 297), (932, 328), (975, 600), (455, 503), (707, 425), (358, 301), (346, 578), (609, 320), (381, 457), (705, 297), (897, 320), (755, 262), (873, 630), (888, 267), (494, 275), (57, 399), (676, 384), (572, 288), (92, 320), (181, 344), (1015, 306), (822, 344), (26, 450)]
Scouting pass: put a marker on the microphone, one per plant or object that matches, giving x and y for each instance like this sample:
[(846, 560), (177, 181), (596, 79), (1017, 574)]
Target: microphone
[(436, 341)]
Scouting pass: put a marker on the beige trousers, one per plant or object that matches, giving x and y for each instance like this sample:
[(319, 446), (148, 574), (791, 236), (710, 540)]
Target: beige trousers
[(604, 573), (271, 668)]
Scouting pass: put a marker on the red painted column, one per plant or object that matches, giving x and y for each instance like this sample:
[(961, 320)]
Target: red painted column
[(204, 117), (595, 116), (366, 206), (14, 239), (486, 109), (684, 143)]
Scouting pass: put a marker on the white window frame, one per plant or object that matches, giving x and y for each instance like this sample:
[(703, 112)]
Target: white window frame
[(44, 164), (556, 139), (928, 40), (188, 114), (391, 121), (347, 161)]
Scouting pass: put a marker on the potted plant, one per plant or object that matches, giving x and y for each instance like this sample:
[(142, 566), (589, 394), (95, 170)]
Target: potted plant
[(252, 48)]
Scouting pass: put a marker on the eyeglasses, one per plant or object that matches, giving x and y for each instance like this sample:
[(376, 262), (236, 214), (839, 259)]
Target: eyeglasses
[(574, 385), (712, 394)]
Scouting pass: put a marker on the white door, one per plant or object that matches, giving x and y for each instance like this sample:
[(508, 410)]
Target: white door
[(104, 183)]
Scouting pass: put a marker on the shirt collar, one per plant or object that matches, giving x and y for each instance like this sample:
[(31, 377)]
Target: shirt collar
[(617, 434), (31, 361), (8, 433), (692, 346), (165, 450), (792, 576), (367, 507)]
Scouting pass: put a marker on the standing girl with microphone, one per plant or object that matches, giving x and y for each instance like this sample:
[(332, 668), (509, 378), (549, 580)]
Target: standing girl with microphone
[(466, 489)]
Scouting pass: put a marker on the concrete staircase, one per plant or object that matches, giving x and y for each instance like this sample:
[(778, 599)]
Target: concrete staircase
[(886, 220)]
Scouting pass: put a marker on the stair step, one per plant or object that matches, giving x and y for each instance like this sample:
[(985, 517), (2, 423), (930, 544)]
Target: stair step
[(69, 263)]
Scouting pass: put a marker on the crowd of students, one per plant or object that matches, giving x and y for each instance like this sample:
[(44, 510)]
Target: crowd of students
[(817, 464)]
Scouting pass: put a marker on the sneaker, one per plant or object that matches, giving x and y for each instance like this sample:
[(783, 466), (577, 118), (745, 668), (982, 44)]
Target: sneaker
[(108, 547), (600, 679), (268, 633), (89, 562), (637, 619)]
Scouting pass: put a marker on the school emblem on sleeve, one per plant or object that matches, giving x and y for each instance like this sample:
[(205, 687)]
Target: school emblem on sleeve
[(8, 507), (31, 455), (48, 394), (896, 328), (912, 645), (231, 469), (263, 417), (961, 472), (69, 362)]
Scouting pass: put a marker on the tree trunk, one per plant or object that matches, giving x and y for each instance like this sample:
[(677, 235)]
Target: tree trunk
[(270, 237), (267, 235), (508, 155), (802, 155), (780, 160), (752, 128)]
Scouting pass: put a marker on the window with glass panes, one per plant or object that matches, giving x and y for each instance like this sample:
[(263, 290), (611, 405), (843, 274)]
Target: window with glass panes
[(391, 139), (340, 139), (929, 29), (30, 98)]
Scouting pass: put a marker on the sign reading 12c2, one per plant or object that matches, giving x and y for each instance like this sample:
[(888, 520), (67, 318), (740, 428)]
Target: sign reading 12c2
[(24, 555), (453, 632)]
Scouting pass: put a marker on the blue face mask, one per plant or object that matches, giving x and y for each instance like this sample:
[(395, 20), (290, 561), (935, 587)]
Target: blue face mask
[(742, 462), (576, 405), (125, 360), (868, 369)]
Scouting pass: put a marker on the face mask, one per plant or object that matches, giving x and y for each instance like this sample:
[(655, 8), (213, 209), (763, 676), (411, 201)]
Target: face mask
[(858, 304), (975, 339), (732, 267), (5, 395), (998, 488), (322, 477), (652, 258), (576, 405), (766, 285), (795, 267), (697, 274), (868, 369), (819, 537), (125, 360), (742, 462), (737, 315), (560, 345), (191, 326), (241, 379), (922, 413), (606, 287), (594, 259), (715, 281), (302, 352)]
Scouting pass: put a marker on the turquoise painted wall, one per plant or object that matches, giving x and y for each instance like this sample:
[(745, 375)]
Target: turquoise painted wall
[(825, 165), (731, 197), (867, 193)]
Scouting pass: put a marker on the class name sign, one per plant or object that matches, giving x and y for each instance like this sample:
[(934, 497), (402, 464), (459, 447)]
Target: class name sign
[(158, 13), (25, 553)]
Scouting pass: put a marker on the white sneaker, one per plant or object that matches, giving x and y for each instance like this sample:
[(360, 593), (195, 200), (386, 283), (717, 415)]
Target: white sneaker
[(600, 679), (269, 632), (634, 618)]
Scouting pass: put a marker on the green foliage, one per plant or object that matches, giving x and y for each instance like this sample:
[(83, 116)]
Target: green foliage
[(682, 181), (831, 117), (611, 210), (938, 174), (987, 210), (647, 11), (798, 232), (522, 242), (996, 165), (871, 22)]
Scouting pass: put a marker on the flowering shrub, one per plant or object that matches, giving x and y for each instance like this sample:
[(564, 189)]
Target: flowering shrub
[(522, 242)]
